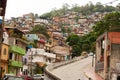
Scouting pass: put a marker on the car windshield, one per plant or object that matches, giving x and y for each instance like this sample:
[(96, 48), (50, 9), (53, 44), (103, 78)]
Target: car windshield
[(18, 79)]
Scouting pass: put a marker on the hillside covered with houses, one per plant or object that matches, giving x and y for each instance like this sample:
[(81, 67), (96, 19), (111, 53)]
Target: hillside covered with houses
[(32, 41)]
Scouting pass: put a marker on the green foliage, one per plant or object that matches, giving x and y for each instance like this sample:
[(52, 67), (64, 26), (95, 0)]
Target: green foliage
[(38, 70), (48, 15), (24, 38), (76, 50), (93, 46), (111, 22), (40, 29), (84, 10), (73, 39), (100, 28), (69, 30), (56, 12), (63, 30), (85, 47)]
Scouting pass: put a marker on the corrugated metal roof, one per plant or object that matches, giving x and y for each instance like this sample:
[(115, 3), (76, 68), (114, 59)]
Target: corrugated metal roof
[(114, 37)]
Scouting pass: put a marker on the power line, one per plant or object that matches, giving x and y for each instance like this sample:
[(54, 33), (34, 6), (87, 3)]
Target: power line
[(110, 2)]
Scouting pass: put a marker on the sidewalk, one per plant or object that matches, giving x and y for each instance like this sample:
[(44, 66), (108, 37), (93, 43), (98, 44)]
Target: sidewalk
[(91, 74)]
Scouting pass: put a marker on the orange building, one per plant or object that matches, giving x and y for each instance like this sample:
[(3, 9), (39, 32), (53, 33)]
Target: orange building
[(4, 59), (107, 60)]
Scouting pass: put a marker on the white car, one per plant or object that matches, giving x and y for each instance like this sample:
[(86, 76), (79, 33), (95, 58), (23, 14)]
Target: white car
[(90, 54), (38, 77)]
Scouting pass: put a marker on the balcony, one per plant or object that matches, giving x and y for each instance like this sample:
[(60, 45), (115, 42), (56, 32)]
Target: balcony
[(15, 63), (99, 66), (17, 49)]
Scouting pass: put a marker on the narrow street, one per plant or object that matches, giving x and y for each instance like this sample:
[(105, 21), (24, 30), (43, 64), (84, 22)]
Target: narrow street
[(74, 71)]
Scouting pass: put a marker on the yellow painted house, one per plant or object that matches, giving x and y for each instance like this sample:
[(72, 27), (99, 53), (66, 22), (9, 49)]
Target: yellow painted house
[(4, 58)]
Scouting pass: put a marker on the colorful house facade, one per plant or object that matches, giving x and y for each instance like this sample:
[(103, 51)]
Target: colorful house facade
[(17, 48), (4, 59), (4, 54)]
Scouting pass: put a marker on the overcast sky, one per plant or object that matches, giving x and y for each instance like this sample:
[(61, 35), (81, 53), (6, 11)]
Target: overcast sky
[(16, 8)]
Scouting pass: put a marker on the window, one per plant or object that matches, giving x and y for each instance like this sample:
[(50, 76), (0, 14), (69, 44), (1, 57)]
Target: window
[(10, 56), (25, 61), (16, 57), (28, 35), (49, 59), (16, 42), (4, 51)]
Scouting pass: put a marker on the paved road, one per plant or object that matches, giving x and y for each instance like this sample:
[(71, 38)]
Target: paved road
[(74, 71)]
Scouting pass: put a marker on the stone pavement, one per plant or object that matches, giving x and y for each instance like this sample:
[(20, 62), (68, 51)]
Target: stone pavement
[(90, 73)]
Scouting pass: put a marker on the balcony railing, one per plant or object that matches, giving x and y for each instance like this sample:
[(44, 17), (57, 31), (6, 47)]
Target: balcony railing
[(17, 49), (15, 63), (99, 66)]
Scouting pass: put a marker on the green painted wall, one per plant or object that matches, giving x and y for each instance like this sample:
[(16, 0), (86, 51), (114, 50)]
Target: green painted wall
[(17, 49)]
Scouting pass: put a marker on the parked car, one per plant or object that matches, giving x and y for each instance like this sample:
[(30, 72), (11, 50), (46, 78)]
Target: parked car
[(12, 77), (91, 54), (26, 77), (38, 77)]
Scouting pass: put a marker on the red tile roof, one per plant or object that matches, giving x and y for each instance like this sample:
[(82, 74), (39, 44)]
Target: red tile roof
[(42, 41)]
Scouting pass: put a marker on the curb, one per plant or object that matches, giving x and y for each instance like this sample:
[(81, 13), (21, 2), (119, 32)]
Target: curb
[(89, 78)]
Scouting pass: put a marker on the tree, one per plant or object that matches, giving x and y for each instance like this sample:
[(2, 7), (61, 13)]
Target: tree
[(76, 50), (100, 28), (63, 29), (65, 7), (40, 29), (75, 8), (69, 30), (86, 47), (38, 70), (109, 8), (113, 20), (73, 39)]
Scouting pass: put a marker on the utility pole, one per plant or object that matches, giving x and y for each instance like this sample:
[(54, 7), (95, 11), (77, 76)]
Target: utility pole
[(31, 54), (2, 14)]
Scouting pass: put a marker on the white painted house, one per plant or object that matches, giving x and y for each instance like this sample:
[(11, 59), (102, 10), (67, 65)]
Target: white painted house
[(37, 55)]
